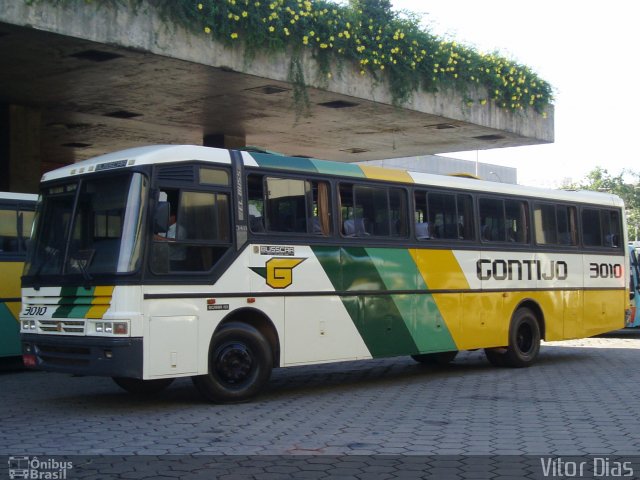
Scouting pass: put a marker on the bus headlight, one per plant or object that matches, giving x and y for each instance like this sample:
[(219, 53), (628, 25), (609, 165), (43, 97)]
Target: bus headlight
[(113, 328), (28, 324)]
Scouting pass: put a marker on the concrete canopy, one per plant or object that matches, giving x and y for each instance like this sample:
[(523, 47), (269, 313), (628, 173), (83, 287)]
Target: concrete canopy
[(104, 79)]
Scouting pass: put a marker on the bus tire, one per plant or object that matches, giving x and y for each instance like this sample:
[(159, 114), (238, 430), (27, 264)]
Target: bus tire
[(440, 358), (142, 387), (240, 363), (524, 339)]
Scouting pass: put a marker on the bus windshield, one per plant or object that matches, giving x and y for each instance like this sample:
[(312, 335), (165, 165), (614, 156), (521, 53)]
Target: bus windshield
[(89, 227)]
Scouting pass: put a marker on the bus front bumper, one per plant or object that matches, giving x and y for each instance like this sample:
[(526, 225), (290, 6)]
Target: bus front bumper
[(102, 356)]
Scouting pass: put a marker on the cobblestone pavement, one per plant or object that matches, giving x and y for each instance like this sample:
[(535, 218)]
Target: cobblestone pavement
[(581, 398)]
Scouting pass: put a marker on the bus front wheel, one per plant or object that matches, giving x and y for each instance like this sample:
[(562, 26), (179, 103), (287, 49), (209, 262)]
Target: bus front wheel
[(142, 387), (240, 363)]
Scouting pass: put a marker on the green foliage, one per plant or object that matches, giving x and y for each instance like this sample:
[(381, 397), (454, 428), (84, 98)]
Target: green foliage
[(390, 47), (626, 185)]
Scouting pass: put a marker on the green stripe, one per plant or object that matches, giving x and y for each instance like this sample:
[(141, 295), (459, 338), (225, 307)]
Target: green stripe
[(389, 324), (377, 318), (308, 165), (419, 312), (288, 163), (337, 168), (71, 311)]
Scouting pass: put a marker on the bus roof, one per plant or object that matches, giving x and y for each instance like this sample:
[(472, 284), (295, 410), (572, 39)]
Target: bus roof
[(23, 197), (155, 154)]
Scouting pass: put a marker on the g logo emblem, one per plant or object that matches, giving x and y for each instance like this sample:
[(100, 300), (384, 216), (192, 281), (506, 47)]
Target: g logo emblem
[(280, 271)]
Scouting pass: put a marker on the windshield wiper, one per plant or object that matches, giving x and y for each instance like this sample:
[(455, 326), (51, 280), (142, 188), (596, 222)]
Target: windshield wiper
[(80, 260)]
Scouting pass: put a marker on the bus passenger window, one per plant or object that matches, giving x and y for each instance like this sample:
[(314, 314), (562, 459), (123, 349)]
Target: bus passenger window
[(591, 232), (610, 220), (286, 205), (372, 210), (504, 220), (544, 218), (464, 204), (8, 230), (516, 219), (492, 227), (555, 224), (567, 225)]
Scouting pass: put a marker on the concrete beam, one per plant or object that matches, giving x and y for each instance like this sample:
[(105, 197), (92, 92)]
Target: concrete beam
[(182, 87)]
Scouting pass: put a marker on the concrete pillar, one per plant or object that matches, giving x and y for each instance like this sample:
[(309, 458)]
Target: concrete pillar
[(5, 179), (20, 148), (220, 140)]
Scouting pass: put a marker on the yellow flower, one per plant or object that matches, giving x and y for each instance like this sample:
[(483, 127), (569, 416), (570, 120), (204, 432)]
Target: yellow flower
[(244, 14), (200, 6), (271, 28), (207, 30), (234, 35)]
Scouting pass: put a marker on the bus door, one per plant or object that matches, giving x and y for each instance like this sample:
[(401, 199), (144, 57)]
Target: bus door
[(192, 239)]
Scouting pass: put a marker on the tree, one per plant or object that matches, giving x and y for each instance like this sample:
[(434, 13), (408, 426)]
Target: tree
[(626, 185)]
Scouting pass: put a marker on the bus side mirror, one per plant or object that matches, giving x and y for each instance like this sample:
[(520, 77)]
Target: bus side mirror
[(161, 218)]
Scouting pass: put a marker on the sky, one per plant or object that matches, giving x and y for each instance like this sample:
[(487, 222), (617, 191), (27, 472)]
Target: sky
[(588, 51)]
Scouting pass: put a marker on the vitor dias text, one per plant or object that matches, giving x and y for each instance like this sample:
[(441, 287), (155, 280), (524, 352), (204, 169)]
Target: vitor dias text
[(598, 467)]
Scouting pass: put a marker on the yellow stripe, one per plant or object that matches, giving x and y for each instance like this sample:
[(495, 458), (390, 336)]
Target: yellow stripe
[(97, 311), (101, 302), (103, 292), (10, 280), (379, 173), (439, 269)]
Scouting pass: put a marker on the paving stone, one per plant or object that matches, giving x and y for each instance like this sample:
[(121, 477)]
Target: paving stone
[(575, 401)]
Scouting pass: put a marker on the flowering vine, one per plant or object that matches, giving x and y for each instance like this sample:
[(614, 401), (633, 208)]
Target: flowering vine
[(390, 47)]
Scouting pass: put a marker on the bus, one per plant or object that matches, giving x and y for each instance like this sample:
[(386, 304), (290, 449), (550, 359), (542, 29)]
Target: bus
[(633, 320), (170, 261), (16, 216)]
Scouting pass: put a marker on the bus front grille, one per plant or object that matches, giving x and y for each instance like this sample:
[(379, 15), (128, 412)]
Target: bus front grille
[(62, 326)]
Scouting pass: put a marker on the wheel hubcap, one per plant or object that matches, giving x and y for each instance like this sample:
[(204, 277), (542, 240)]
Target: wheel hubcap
[(233, 363), (525, 338)]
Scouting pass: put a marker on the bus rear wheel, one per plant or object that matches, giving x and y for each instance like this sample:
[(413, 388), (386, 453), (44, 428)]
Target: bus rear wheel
[(142, 387), (240, 363), (440, 358), (524, 342)]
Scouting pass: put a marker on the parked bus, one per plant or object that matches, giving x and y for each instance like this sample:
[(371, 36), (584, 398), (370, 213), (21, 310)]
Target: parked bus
[(183, 261), (16, 217), (634, 278)]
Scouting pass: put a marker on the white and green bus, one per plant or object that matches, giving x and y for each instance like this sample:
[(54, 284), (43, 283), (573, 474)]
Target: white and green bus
[(184, 261)]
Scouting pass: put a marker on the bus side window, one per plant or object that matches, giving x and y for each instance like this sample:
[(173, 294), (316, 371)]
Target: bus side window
[(567, 225), (591, 231), (504, 220), (610, 220), (9, 230), (289, 205)]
